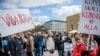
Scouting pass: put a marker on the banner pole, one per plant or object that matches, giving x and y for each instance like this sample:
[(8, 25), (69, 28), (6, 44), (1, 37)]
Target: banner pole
[(23, 34), (89, 37)]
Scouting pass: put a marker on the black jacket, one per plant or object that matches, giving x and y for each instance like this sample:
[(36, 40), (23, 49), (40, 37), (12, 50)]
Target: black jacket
[(16, 47)]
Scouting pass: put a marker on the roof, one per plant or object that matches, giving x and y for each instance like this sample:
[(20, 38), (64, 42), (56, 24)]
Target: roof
[(55, 21)]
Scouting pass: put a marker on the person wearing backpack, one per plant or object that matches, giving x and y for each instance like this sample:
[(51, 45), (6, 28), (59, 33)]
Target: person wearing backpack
[(58, 44), (5, 46)]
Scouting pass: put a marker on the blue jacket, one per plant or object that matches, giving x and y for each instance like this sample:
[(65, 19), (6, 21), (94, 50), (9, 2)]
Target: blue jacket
[(38, 41), (68, 40)]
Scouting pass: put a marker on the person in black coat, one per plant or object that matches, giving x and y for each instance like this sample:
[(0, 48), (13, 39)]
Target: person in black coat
[(17, 45), (58, 44)]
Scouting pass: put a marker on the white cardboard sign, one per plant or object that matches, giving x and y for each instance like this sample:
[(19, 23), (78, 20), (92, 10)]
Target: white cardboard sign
[(90, 17), (14, 21), (68, 46)]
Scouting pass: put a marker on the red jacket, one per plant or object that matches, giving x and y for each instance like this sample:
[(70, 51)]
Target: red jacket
[(80, 47)]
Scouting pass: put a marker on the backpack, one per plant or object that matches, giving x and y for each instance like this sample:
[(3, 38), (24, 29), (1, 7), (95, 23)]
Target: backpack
[(58, 39), (5, 43)]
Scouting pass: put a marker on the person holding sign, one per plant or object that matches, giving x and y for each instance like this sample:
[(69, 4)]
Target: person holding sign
[(17, 45), (68, 44), (80, 48)]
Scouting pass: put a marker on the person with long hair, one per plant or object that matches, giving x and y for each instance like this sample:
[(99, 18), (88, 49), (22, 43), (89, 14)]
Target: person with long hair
[(80, 48), (30, 43)]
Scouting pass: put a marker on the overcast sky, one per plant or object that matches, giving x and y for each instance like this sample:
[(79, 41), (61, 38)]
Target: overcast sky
[(44, 10)]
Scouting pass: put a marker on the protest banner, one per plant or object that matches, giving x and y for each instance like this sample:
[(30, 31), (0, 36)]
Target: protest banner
[(14, 21), (90, 17), (68, 46)]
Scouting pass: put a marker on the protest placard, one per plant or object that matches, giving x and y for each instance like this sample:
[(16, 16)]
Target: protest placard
[(68, 47), (14, 21), (90, 17), (47, 53)]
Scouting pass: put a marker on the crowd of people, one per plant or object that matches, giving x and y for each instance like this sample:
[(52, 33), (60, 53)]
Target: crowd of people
[(35, 44)]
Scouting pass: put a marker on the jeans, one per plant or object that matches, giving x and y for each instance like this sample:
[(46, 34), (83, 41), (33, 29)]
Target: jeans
[(69, 53), (60, 53), (38, 51), (29, 54)]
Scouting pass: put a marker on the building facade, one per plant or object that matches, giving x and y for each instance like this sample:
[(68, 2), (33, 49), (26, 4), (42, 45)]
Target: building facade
[(72, 22), (55, 25)]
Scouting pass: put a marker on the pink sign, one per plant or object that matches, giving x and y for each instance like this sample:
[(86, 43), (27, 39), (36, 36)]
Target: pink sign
[(47, 53)]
